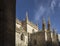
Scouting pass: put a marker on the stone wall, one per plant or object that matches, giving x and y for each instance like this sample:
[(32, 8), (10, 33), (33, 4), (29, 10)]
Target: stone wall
[(18, 40), (37, 39)]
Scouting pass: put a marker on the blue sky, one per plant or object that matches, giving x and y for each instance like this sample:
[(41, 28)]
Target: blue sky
[(38, 9)]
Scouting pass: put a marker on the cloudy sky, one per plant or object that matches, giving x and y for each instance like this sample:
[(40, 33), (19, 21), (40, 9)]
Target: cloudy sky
[(38, 9)]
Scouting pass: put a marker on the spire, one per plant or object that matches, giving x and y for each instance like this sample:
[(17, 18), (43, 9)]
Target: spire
[(48, 23), (48, 20), (43, 24), (26, 15), (43, 20)]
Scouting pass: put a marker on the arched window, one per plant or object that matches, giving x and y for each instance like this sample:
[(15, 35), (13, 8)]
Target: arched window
[(22, 36)]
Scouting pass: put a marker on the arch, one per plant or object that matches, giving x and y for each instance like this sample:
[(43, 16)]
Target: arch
[(22, 36)]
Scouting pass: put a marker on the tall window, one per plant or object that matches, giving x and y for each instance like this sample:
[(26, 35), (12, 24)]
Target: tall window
[(22, 36)]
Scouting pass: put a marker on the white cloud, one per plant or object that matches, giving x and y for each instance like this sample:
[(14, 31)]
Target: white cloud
[(43, 10), (59, 5), (53, 4), (39, 13)]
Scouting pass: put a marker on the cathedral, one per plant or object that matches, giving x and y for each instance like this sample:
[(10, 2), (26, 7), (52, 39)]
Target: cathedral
[(28, 34)]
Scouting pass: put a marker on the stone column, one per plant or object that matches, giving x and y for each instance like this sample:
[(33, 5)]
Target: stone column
[(7, 22)]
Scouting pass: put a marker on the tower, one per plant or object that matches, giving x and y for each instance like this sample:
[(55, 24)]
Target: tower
[(48, 31), (49, 39), (43, 24)]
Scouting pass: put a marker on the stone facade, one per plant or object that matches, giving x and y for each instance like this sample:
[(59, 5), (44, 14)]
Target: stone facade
[(36, 39), (28, 34)]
